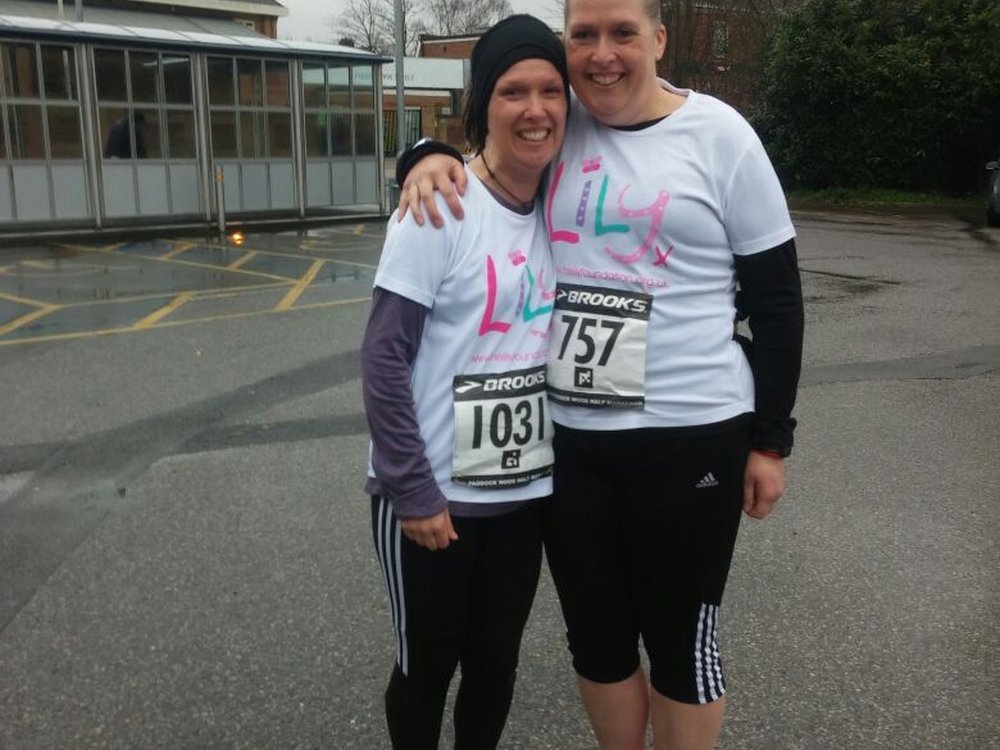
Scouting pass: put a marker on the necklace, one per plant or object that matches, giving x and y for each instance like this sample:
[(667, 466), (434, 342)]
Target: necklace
[(511, 193)]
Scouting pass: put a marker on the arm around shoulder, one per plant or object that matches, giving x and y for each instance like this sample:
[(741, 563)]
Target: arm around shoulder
[(428, 168)]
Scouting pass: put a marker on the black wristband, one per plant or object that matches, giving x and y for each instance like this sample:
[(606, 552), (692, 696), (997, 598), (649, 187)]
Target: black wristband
[(418, 151)]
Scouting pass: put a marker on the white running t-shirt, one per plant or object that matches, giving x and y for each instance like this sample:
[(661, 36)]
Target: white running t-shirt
[(479, 376), (644, 225)]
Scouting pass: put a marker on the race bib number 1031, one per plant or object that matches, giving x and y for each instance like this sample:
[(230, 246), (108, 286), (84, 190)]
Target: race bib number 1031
[(503, 432)]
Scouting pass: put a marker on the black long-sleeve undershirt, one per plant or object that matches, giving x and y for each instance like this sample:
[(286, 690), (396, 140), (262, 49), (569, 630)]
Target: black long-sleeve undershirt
[(770, 297)]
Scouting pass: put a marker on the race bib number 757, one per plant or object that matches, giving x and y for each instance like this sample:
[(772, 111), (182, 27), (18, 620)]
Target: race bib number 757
[(597, 346)]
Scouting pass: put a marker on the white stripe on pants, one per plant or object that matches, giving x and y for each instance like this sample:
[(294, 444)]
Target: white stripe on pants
[(387, 543)]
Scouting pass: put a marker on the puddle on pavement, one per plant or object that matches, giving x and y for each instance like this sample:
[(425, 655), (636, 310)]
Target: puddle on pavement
[(11, 483), (85, 318), (114, 286), (832, 288)]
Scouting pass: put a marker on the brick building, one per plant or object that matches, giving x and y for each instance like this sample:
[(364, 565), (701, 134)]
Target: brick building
[(717, 46)]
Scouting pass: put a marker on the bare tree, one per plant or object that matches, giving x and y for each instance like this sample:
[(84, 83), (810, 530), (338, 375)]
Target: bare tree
[(364, 22), (555, 9), (371, 24), (449, 17)]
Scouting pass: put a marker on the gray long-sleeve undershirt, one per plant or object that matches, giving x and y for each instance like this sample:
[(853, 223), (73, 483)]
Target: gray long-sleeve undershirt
[(403, 474)]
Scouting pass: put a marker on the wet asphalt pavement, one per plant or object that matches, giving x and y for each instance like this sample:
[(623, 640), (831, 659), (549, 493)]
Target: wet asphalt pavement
[(185, 551)]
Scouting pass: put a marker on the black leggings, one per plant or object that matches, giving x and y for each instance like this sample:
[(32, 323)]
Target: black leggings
[(466, 604), (639, 536)]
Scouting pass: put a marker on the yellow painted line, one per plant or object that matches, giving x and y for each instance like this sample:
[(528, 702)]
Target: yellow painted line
[(245, 258), (90, 248), (359, 229), (198, 294), (47, 265), (156, 316), (334, 303), (353, 263), (179, 250), (5, 269), (155, 259), (29, 318), (296, 291), (173, 323), (24, 300), (87, 248)]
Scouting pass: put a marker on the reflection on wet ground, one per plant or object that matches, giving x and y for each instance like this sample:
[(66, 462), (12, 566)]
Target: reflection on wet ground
[(71, 290)]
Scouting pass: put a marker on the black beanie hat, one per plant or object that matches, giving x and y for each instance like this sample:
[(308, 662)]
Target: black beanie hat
[(515, 38)]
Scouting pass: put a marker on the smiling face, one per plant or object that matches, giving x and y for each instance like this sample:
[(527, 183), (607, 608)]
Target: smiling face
[(612, 47), (526, 118)]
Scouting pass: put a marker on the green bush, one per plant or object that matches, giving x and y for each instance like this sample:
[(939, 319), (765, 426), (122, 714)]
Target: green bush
[(883, 93)]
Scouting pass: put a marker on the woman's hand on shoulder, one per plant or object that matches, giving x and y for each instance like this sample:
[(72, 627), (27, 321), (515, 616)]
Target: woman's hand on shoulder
[(433, 173), (434, 532)]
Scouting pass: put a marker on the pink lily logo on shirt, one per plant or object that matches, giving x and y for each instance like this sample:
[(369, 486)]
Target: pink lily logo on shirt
[(604, 219), (530, 287)]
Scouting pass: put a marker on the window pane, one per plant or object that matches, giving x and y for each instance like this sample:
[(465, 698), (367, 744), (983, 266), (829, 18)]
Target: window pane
[(119, 140), (316, 127), (59, 72), (250, 83), (177, 79), (26, 133), (20, 73), (107, 116), (252, 135), (147, 134), (313, 84), (364, 129), (220, 80), (340, 134), (110, 68), (64, 132), (145, 68), (364, 87), (180, 135), (224, 135), (720, 38), (340, 92), (279, 134), (277, 83)]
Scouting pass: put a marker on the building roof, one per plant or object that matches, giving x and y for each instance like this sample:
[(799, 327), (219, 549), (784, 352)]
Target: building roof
[(136, 14), (258, 7), (169, 30)]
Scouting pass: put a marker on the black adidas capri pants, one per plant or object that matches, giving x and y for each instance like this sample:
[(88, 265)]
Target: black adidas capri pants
[(639, 537)]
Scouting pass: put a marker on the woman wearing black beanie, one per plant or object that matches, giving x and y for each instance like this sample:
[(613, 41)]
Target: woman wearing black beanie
[(453, 376)]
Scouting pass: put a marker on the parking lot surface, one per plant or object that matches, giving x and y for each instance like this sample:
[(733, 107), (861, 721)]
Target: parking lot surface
[(185, 548), (70, 290)]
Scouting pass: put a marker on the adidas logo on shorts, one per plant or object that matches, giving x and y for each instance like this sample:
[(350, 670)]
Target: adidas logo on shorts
[(708, 480)]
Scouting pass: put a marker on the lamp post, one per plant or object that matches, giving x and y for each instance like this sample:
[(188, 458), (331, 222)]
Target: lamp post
[(400, 51)]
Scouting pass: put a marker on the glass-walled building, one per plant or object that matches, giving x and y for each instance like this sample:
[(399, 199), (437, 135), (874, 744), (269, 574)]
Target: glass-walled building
[(105, 125)]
